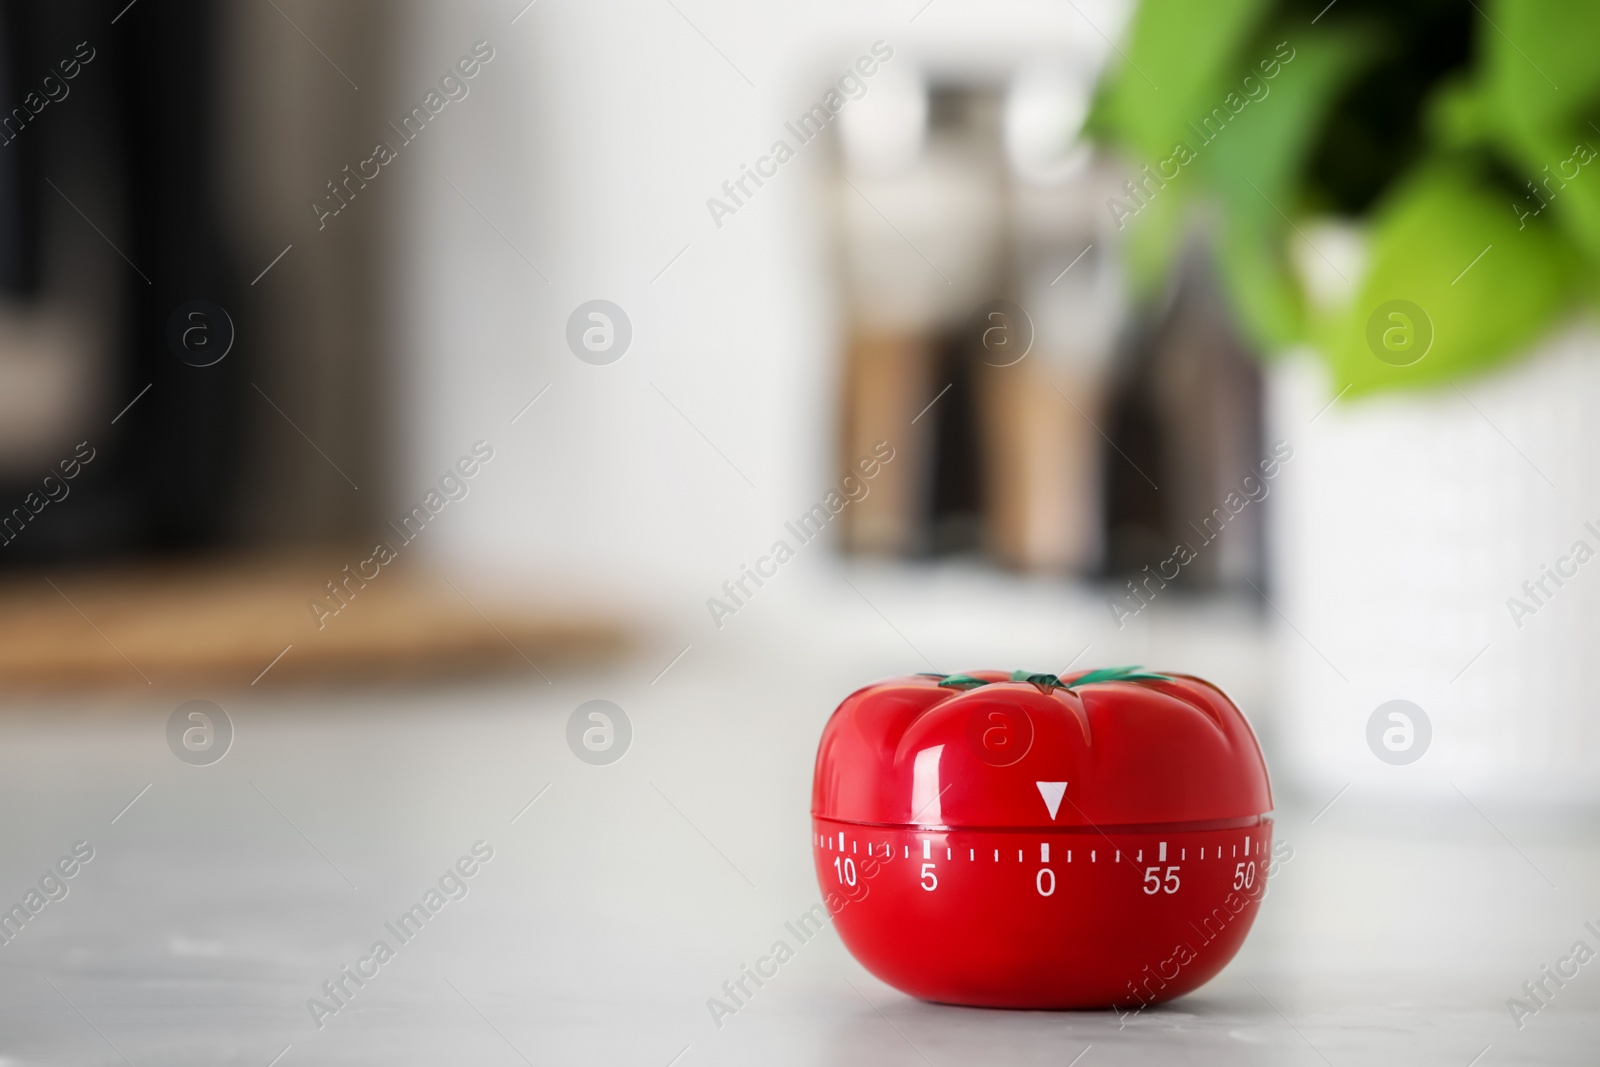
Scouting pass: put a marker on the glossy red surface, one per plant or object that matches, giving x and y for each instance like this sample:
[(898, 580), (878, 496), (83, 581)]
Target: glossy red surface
[(1024, 845)]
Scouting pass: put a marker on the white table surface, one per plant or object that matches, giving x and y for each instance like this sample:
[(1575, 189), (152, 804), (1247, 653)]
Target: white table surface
[(617, 904)]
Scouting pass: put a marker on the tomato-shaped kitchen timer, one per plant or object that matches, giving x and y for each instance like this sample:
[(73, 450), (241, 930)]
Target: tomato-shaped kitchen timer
[(1040, 841)]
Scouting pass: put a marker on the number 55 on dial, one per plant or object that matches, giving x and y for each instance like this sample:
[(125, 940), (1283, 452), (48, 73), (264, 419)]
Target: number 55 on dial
[(1155, 882)]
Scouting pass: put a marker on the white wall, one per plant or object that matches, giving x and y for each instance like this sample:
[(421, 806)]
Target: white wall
[(592, 140)]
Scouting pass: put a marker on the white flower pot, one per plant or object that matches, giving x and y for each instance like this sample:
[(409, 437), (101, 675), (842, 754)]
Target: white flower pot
[(1404, 527)]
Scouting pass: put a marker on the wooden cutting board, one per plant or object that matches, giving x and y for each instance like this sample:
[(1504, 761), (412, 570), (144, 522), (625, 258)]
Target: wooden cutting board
[(243, 622)]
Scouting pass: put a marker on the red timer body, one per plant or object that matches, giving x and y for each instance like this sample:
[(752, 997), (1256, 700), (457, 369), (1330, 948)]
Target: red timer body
[(1040, 841)]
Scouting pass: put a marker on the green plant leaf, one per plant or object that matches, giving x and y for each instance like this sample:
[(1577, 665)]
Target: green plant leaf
[(1245, 136), (1459, 114), (1425, 237), (1256, 160), (1537, 88), (1260, 287), (1550, 164), (1254, 165), (1537, 61), (1530, 98), (1154, 238), (1177, 52)]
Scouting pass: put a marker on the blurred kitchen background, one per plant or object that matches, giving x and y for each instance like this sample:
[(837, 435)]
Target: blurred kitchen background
[(275, 274), (952, 253)]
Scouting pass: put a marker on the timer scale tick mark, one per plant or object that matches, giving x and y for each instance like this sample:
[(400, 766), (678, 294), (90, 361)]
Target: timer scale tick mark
[(828, 842)]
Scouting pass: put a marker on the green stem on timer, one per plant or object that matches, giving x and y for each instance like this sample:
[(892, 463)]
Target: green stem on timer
[(1053, 681)]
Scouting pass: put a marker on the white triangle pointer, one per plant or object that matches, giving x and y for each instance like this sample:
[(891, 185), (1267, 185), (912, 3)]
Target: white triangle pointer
[(1052, 792)]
